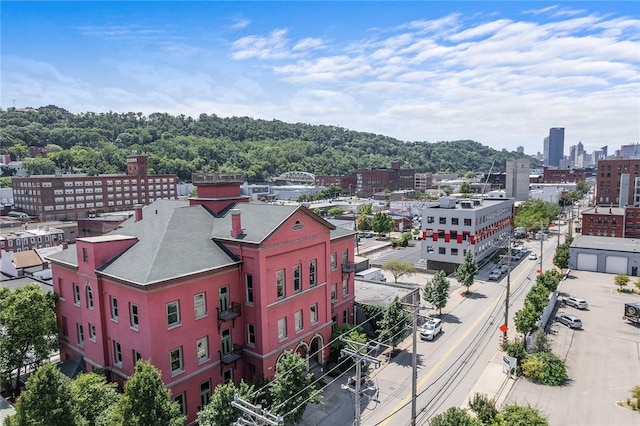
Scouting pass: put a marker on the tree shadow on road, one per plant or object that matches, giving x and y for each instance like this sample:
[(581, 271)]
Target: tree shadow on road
[(450, 319), (404, 358), (475, 295)]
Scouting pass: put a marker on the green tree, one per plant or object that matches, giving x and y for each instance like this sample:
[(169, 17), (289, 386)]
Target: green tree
[(305, 198), (27, 327), (621, 280), (219, 411), (92, 396), (398, 268), (365, 209), (293, 389), (48, 400), (436, 291), (18, 151), (466, 271), (637, 283), (561, 257), (146, 401), (518, 415), (465, 188), (484, 407), (335, 211), (336, 364), (526, 319), (39, 166), (549, 279), (454, 416), (534, 213), (364, 223), (382, 223), (394, 323), (5, 181)]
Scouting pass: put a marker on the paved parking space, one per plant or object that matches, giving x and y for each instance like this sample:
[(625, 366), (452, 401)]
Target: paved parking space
[(603, 359)]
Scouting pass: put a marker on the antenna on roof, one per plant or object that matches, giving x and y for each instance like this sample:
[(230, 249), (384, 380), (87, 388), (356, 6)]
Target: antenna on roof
[(484, 187)]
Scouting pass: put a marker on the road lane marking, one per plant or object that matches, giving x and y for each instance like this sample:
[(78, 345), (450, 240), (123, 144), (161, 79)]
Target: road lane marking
[(441, 361)]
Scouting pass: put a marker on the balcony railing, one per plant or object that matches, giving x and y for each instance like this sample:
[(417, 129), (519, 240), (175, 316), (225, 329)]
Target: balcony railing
[(232, 356), (234, 311)]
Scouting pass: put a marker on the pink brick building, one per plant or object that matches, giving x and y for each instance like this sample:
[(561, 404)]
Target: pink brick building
[(211, 290)]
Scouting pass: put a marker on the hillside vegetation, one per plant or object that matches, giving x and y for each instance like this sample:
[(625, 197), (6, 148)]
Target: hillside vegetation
[(99, 143)]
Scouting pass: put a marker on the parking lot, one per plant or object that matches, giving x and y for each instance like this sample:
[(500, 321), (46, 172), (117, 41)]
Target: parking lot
[(603, 358)]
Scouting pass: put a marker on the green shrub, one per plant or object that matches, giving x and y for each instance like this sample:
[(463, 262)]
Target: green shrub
[(545, 368), (484, 407), (518, 415)]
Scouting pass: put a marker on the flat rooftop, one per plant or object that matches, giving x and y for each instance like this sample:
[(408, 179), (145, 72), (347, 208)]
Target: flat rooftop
[(630, 245)]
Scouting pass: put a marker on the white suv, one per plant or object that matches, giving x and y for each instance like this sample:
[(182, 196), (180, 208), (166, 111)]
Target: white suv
[(576, 302), (431, 329)]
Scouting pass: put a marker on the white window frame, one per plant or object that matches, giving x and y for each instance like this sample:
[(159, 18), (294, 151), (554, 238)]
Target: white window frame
[(281, 284), (134, 317), (89, 296), (113, 301), (80, 333), (334, 261), (297, 278), (202, 349), (298, 321), (117, 353), (76, 294), (200, 305), (177, 322), (282, 329), (92, 332), (313, 312), (249, 290), (180, 368)]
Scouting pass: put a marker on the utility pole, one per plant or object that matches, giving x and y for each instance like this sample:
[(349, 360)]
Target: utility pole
[(359, 358), (414, 356), (258, 416), (541, 240), (506, 300)]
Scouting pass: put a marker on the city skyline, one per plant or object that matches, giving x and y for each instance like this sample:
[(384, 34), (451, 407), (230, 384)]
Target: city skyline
[(500, 73)]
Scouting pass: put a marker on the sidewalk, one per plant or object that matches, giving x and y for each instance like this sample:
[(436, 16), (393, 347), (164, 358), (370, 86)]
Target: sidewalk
[(493, 382)]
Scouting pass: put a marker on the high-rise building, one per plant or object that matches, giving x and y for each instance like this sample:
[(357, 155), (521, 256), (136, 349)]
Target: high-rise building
[(545, 151), (555, 146)]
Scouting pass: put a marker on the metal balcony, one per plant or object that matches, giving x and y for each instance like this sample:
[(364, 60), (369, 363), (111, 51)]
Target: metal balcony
[(234, 311), (230, 357)]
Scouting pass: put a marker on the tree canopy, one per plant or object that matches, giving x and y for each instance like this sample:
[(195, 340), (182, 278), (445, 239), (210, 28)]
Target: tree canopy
[(28, 329), (398, 268), (466, 271), (534, 214), (382, 223), (394, 323), (219, 411), (99, 143), (436, 291), (146, 401)]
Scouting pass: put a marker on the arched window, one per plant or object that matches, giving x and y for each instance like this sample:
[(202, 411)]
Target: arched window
[(89, 294)]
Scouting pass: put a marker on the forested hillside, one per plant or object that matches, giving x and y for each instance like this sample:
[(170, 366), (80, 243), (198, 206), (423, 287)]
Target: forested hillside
[(99, 143)]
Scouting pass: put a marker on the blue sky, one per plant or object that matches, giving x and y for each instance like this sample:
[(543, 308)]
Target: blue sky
[(501, 73)]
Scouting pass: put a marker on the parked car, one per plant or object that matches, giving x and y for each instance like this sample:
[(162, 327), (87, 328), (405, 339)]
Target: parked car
[(431, 329), (569, 320), (504, 268), (576, 302), (494, 275), (532, 256), (368, 235)]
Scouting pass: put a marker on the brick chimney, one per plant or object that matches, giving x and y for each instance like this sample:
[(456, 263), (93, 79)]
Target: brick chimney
[(138, 211), (236, 223)]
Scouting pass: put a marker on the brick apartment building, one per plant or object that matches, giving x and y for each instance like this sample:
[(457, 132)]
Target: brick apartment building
[(563, 175), (612, 222), (71, 197), (618, 182), (211, 290), (370, 181), (346, 183)]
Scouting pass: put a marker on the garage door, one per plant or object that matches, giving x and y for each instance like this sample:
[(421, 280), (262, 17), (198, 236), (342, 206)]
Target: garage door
[(587, 262), (616, 265)]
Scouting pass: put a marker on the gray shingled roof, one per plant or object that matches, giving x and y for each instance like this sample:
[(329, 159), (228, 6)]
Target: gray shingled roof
[(172, 243), (175, 239)]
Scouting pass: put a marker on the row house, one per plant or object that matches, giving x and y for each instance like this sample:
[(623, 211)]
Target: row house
[(211, 290), (451, 228), (611, 222), (70, 197)]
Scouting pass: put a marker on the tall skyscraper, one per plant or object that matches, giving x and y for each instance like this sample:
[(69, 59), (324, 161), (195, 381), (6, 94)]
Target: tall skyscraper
[(545, 151), (517, 179), (556, 146)]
